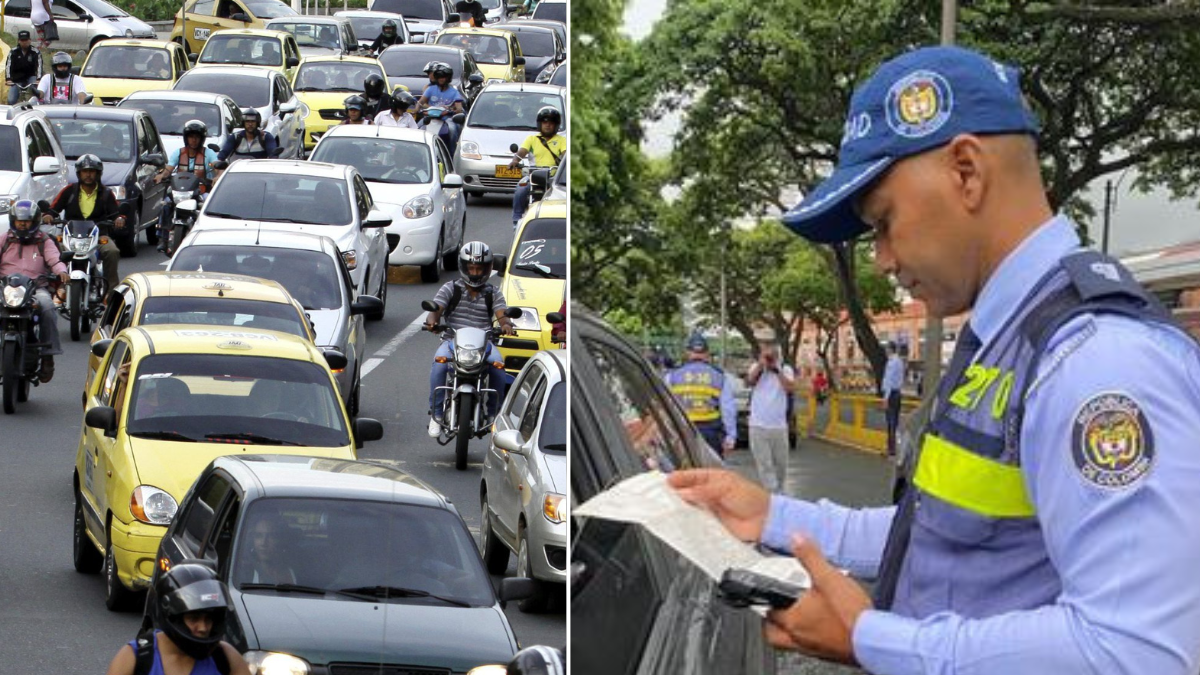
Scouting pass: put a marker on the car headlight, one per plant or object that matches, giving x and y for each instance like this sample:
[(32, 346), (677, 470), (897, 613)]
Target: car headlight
[(14, 295), (470, 150), (6, 201), (351, 258), (118, 191), (488, 670), (418, 207), (468, 358), (80, 245), (554, 508), (528, 320), (275, 663), (152, 505), (543, 76)]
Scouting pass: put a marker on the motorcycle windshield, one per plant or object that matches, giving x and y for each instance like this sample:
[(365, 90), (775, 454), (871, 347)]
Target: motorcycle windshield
[(185, 182), (470, 338), (80, 228)]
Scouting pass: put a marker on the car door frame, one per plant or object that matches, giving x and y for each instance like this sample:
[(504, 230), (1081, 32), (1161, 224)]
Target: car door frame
[(46, 186), (152, 193), (502, 490), (103, 446), (454, 203)]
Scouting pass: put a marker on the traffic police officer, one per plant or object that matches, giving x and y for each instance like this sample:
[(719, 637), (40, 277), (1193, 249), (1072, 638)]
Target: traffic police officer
[(1050, 526), (706, 395)]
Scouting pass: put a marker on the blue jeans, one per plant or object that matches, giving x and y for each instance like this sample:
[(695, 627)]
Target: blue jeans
[(497, 379), (14, 91), (520, 202)]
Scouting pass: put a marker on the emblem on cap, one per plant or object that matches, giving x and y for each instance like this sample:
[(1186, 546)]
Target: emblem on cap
[(919, 104), (1111, 441)]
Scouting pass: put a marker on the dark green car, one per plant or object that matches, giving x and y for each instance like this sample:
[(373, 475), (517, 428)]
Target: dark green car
[(336, 565)]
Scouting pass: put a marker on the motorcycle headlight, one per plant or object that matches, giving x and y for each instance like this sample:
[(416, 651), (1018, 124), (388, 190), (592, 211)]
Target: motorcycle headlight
[(152, 505), (275, 663), (351, 258), (180, 195), (528, 320), (6, 201), (488, 670), (14, 295), (118, 191), (79, 245), (553, 508), (468, 358), (470, 150), (418, 207)]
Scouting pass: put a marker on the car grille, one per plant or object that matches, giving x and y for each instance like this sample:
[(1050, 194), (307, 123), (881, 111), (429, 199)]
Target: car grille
[(393, 242), (110, 100), (498, 183), (514, 343), (338, 114), (557, 555), (373, 669), (515, 362)]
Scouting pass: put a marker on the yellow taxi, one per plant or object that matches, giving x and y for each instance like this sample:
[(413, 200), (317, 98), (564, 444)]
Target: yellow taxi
[(206, 17), (323, 82), (497, 52), (205, 298), (535, 279), (171, 398), (115, 69), (271, 49)]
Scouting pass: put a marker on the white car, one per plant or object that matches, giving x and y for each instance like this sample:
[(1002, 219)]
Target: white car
[(265, 90), (408, 173), (32, 165), (505, 113), (81, 23), (368, 25), (172, 109), (311, 197)]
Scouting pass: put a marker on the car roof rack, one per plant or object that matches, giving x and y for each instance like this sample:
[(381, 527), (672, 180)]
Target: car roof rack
[(19, 108)]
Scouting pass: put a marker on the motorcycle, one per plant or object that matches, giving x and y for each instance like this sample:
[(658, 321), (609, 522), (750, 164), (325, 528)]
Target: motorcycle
[(28, 92), (22, 351), (465, 408), (184, 198), (81, 241), (437, 117)]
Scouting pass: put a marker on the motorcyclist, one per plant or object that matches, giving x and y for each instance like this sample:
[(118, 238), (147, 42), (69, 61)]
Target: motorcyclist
[(88, 199), (22, 68), (62, 87), (376, 99), (249, 142), (188, 607), (29, 251), (475, 295), (442, 94), (547, 148), (471, 9), (388, 37), (355, 107), (399, 115), (194, 157), (537, 660)]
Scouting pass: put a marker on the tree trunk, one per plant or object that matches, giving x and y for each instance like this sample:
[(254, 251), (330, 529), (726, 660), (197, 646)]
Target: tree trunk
[(864, 335)]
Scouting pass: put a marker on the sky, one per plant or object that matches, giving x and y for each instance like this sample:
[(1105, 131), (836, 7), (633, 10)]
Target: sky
[(1140, 222)]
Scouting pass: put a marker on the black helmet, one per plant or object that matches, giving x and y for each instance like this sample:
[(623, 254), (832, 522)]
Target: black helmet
[(429, 67), (355, 102), (89, 161), (252, 112), (60, 59), (537, 660), (442, 70), (190, 587), (195, 127), (475, 253), (549, 113), (373, 85), (389, 24), (24, 210), (402, 99)]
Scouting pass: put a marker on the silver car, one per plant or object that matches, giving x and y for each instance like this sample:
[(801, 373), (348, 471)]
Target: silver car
[(505, 113), (310, 268), (81, 23), (523, 495), (171, 109), (265, 90), (368, 25)]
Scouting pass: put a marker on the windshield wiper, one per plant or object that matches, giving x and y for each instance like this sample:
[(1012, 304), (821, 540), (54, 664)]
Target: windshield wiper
[(555, 446), (285, 588), (540, 269), (217, 214), (163, 436), (400, 592), (252, 438), (285, 220)]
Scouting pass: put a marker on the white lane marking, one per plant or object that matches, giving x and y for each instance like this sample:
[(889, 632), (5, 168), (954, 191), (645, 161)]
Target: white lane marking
[(369, 366), (393, 344)]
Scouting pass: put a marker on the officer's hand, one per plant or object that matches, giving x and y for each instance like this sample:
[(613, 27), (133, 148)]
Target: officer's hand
[(822, 620), (728, 445), (741, 506)]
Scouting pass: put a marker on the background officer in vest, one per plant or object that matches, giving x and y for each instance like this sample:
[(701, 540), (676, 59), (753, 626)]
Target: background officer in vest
[(23, 66), (706, 395), (1050, 525)]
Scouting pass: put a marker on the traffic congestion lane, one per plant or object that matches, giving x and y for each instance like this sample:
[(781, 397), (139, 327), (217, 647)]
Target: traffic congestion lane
[(55, 619)]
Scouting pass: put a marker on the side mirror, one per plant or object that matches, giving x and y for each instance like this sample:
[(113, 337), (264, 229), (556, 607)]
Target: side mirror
[(100, 347), (555, 317), (42, 203), (335, 358), (510, 440), (293, 61), (289, 107), (44, 165), (519, 61), (66, 256), (102, 417), (377, 218), (155, 159), (221, 164), (513, 147), (366, 304), (538, 181), (193, 57), (516, 588), (475, 78), (74, 70), (454, 17), (85, 17), (500, 264), (238, 16), (367, 429), (452, 180), (459, 119), (214, 147), (514, 312), (429, 306)]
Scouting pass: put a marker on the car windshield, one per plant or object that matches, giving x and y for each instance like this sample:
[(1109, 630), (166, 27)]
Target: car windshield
[(235, 397), (487, 49), (170, 116), (408, 62), (356, 545), (311, 34), (10, 149), (551, 11), (101, 9), (334, 76), (281, 197), (515, 110), (379, 160), (536, 43), (542, 252), (221, 311), (311, 277), (412, 9), (269, 9), (110, 141), (251, 50), (367, 28), (559, 77), (247, 91), (553, 435), (129, 63)]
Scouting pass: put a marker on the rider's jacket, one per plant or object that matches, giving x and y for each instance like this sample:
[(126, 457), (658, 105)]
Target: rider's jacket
[(30, 259), (22, 65), (67, 203), (236, 143)]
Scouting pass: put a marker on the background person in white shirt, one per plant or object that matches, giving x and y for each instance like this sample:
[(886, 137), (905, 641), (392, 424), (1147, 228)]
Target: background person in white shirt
[(893, 380), (399, 116), (39, 13), (61, 86), (773, 382)]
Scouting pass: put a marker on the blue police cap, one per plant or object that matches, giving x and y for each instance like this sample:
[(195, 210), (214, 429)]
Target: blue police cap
[(697, 343), (913, 103)]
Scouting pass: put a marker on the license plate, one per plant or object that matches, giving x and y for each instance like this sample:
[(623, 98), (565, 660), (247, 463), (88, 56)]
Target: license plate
[(505, 171)]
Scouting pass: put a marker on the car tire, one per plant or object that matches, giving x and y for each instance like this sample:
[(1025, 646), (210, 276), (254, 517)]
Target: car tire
[(86, 558), (117, 598), (127, 245), (431, 272), (152, 234), (494, 552), (382, 295), (353, 404), (537, 602)]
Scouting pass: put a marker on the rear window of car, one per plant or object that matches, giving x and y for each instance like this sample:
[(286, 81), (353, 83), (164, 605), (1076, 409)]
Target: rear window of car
[(412, 9), (170, 116), (536, 43), (379, 160), (244, 49), (247, 91), (110, 141), (223, 312), (281, 197), (129, 63), (311, 277), (551, 11)]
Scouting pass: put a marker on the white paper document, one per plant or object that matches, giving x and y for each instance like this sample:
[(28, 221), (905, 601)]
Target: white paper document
[(696, 534)]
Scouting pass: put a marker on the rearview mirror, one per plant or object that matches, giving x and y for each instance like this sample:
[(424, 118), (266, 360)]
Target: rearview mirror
[(238, 16), (86, 18), (513, 312), (555, 317), (516, 588), (100, 347), (377, 218), (278, 151), (101, 417), (538, 180), (288, 108), (44, 165), (367, 429), (475, 78), (429, 306), (214, 147), (155, 159), (513, 147), (221, 164), (194, 57), (459, 119), (43, 204), (519, 61), (452, 180), (510, 440), (454, 17), (293, 61), (499, 263), (366, 304), (334, 358)]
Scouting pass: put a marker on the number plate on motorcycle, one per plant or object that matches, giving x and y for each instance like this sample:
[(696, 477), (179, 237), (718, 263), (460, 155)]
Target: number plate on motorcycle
[(505, 171)]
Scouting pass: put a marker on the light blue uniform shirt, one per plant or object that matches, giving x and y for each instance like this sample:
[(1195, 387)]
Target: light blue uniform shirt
[(1127, 557), (893, 375)]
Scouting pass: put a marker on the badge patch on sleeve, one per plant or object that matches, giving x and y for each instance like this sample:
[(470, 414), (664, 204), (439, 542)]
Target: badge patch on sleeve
[(1111, 441)]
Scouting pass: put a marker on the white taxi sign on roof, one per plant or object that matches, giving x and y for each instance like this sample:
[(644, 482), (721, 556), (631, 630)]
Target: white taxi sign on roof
[(233, 335)]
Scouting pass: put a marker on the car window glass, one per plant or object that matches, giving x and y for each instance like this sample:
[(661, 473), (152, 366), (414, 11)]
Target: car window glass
[(65, 11), (17, 8), (109, 383), (155, 143), (31, 146), (204, 7), (361, 198), (222, 540), (115, 303), (45, 147), (203, 510), (532, 409), (308, 276), (122, 385), (126, 318), (520, 399)]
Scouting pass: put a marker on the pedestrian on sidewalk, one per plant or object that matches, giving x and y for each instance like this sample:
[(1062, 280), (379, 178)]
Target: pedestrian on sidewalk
[(893, 380), (1049, 524), (41, 12), (820, 386), (772, 383), (706, 394)]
